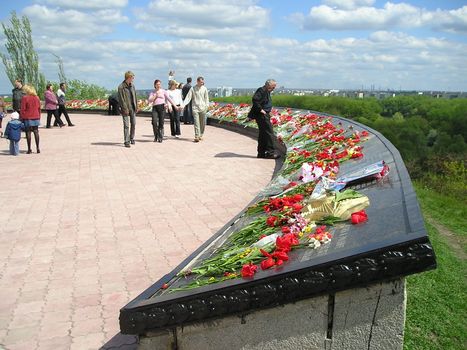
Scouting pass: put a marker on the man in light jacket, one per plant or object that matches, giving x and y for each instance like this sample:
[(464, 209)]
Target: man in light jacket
[(198, 95), (128, 107)]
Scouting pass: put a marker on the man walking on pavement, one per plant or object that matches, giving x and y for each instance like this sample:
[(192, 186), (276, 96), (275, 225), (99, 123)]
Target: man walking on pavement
[(128, 107), (198, 94), (61, 104)]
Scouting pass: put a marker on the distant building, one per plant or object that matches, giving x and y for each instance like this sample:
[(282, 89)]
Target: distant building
[(223, 91)]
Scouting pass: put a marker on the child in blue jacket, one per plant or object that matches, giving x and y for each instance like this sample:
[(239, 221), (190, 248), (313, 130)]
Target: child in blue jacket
[(13, 133)]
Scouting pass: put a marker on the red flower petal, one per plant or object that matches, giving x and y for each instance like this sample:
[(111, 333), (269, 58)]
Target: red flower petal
[(280, 255), (267, 263), (358, 217), (265, 253), (248, 270)]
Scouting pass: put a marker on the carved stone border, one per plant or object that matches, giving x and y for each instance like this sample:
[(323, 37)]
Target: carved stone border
[(357, 271)]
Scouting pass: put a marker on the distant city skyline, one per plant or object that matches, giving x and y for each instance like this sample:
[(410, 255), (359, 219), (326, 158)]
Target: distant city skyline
[(327, 44)]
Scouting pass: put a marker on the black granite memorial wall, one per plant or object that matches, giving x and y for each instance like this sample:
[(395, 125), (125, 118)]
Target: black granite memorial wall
[(392, 244)]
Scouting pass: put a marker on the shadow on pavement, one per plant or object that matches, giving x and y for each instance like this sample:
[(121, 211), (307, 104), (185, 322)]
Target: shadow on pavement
[(121, 342), (107, 144), (232, 155)]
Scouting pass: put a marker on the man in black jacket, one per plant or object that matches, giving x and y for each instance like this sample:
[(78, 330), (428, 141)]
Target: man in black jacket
[(18, 94), (113, 104), (262, 105)]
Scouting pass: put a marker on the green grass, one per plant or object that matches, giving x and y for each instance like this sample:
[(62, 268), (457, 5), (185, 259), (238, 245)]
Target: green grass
[(436, 300), (446, 210)]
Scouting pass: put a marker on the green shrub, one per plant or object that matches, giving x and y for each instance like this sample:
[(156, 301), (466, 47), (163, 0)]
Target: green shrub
[(429, 133)]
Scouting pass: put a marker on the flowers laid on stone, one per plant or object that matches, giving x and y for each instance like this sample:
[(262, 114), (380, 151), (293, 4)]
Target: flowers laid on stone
[(232, 113), (88, 104), (102, 104), (299, 208)]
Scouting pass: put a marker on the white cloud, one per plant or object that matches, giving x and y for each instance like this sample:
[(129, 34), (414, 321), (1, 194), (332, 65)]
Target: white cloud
[(348, 4), (229, 50), (88, 4), (385, 59), (454, 21), (50, 22), (352, 16), (202, 18)]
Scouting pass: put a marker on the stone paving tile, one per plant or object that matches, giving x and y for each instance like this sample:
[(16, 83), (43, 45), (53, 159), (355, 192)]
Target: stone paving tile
[(96, 223), (55, 343)]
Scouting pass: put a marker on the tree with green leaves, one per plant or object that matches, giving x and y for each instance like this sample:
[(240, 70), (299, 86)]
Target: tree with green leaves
[(61, 70), (82, 90), (22, 61)]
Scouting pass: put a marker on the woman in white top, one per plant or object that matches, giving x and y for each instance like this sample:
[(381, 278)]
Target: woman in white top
[(175, 95)]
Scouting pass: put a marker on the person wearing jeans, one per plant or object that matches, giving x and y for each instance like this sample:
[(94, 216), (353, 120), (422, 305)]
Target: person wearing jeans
[(13, 133), (199, 97), (128, 108)]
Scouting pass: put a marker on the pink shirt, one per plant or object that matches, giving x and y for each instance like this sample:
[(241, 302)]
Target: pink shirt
[(51, 101), (159, 97)]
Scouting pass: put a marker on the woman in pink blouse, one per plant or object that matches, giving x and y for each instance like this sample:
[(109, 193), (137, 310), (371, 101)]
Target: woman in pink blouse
[(159, 100), (51, 104)]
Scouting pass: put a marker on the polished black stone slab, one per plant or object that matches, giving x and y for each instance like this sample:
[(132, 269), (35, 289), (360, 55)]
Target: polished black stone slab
[(393, 243)]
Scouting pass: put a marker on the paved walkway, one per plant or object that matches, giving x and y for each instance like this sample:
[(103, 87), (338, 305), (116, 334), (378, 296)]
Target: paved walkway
[(87, 225)]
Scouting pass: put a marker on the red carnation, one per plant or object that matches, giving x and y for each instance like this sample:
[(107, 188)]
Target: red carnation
[(359, 217), (248, 270), (266, 264), (271, 221)]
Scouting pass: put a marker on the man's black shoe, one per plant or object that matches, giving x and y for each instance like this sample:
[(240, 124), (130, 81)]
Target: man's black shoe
[(132, 142), (268, 155), (127, 145), (271, 155)]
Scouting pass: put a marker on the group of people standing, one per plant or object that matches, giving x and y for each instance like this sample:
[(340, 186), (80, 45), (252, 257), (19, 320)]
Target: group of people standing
[(27, 114), (193, 101)]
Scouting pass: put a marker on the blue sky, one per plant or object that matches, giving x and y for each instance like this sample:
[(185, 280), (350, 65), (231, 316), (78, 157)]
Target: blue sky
[(333, 44)]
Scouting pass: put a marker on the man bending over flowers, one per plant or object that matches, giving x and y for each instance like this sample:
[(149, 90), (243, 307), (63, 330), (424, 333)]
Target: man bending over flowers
[(260, 109)]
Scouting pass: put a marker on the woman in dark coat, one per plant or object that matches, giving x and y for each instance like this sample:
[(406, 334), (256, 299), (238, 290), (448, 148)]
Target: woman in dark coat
[(187, 117)]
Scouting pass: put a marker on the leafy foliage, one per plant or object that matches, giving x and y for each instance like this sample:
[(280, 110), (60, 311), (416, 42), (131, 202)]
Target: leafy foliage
[(430, 133), (22, 61), (81, 90)]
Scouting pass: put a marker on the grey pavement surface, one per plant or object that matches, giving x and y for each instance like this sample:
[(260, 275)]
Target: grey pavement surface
[(87, 224)]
